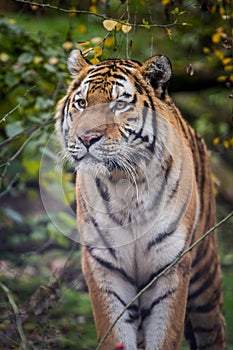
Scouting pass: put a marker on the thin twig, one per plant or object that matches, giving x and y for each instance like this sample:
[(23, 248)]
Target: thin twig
[(17, 316), (10, 185), (85, 12), (26, 131), (160, 275), (16, 107)]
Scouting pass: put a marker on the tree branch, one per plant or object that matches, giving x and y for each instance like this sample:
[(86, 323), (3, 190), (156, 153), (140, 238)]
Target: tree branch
[(85, 12), (160, 275)]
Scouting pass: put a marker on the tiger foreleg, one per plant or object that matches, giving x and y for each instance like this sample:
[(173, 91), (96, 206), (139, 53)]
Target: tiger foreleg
[(109, 296), (163, 309)]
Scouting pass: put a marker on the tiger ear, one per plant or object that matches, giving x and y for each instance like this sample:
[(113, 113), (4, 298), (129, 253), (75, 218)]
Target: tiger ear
[(76, 62), (157, 71)]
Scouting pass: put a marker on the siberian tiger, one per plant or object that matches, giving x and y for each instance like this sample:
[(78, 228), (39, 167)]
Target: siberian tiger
[(144, 194)]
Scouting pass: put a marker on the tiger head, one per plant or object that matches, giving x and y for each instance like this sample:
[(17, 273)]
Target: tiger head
[(107, 120)]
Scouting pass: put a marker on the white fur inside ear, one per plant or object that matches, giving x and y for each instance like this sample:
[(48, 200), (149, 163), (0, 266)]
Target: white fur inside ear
[(76, 62)]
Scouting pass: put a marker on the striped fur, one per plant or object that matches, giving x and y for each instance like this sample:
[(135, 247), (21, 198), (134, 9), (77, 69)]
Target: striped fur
[(144, 194)]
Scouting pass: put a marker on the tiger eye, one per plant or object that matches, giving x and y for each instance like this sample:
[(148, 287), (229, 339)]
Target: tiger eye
[(81, 103), (120, 105)]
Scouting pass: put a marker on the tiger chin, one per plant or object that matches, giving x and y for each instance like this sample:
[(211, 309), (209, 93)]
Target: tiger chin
[(144, 195)]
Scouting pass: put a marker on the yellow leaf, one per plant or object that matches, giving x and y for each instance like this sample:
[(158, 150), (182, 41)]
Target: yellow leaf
[(216, 37), (221, 10), (34, 7), (231, 77), (97, 51), (73, 13), (213, 9), (93, 9), (228, 68), (96, 40), (126, 28), (219, 54), (169, 33), (216, 141), (68, 45), (85, 52), (109, 41), (94, 60), (222, 78), (206, 50), (83, 43), (109, 24), (227, 60), (226, 144), (118, 26), (81, 28), (166, 2)]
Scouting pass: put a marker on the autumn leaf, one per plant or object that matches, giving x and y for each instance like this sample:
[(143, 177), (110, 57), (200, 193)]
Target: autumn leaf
[(83, 43), (126, 28), (109, 24), (97, 51)]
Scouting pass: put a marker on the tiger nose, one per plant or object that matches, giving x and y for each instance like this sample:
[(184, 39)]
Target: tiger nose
[(89, 139)]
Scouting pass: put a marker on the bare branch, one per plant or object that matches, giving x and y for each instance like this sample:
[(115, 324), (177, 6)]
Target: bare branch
[(85, 12), (160, 275), (16, 107)]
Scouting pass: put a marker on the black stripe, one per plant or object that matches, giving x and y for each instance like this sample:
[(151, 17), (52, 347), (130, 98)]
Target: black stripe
[(207, 283), (189, 334), (116, 295), (145, 312), (159, 239), (174, 189), (104, 193), (134, 314), (167, 167), (102, 189), (138, 88), (202, 178), (103, 237), (200, 329), (134, 101), (111, 267), (153, 275), (202, 271), (201, 253), (210, 305)]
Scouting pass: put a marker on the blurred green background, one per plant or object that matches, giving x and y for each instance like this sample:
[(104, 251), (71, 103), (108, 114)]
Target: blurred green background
[(40, 272)]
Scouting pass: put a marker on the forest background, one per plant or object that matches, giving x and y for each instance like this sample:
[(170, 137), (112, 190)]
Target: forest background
[(44, 302)]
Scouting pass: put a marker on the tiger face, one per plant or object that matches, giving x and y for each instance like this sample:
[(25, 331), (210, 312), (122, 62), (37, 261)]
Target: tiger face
[(108, 119)]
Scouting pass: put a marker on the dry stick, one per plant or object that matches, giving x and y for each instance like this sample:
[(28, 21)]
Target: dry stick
[(17, 316), (97, 15), (158, 276)]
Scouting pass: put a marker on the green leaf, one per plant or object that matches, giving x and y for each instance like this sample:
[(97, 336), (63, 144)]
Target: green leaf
[(13, 129), (176, 11), (145, 23), (25, 58)]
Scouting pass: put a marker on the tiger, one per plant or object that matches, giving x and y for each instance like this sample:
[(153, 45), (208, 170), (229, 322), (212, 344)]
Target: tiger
[(144, 195)]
